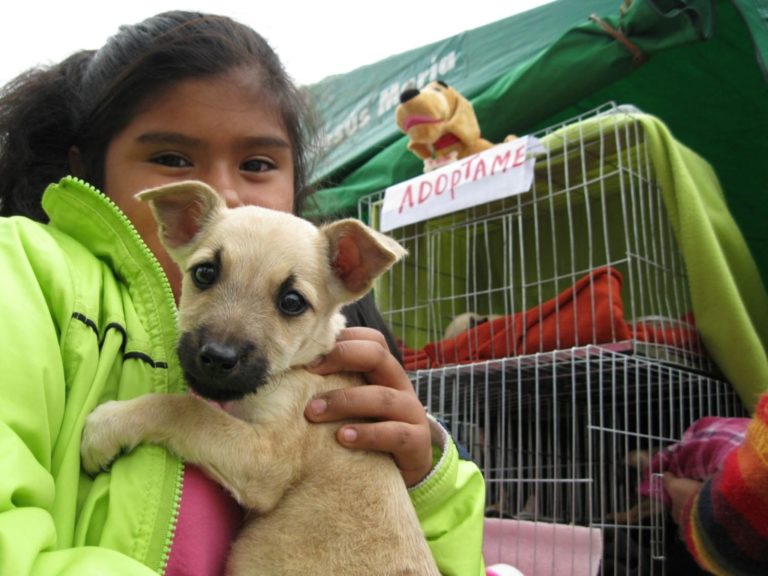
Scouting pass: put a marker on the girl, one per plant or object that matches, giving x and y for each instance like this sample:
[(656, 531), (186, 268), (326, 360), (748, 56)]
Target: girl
[(88, 301)]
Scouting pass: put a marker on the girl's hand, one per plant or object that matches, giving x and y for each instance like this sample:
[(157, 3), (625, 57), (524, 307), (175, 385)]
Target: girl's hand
[(400, 426)]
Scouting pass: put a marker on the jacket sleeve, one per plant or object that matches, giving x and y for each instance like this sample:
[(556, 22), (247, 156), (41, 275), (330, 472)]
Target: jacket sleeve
[(450, 504), (39, 481), (724, 525)]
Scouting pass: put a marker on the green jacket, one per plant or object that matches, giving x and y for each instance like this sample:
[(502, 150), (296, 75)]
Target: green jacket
[(87, 315)]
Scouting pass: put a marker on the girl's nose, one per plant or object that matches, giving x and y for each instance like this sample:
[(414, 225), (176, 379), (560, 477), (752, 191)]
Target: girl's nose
[(220, 177), (231, 197)]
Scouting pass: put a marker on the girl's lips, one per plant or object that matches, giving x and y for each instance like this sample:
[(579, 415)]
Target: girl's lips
[(415, 120)]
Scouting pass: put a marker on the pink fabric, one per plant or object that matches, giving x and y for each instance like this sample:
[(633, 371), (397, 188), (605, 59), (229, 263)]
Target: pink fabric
[(502, 570), (543, 548), (699, 455), (209, 520)]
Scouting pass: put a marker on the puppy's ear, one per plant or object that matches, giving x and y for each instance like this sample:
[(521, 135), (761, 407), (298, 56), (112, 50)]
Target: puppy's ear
[(463, 121), (358, 255), (182, 210)]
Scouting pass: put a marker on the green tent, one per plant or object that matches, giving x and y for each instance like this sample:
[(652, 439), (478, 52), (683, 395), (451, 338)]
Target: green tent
[(698, 65)]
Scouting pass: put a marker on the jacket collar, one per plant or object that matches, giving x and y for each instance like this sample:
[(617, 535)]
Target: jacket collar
[(85, 214)]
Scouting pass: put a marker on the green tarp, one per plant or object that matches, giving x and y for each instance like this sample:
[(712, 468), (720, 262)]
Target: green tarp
[(702, 72), (727, 298)]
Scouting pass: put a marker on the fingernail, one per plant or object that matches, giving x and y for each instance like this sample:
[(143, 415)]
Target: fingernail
[(316, 362), (349, 434), (318, 405)]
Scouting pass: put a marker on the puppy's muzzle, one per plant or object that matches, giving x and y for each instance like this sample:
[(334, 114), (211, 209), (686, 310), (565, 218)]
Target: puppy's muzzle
[(221, 370), (219, 359)]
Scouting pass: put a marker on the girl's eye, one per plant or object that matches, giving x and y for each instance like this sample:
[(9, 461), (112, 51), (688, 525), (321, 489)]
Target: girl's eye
[(171, 160), (205, 275), (292, 303), (257, 165)]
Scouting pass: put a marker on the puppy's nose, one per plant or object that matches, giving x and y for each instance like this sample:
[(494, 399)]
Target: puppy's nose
[(408, 94), (217, 357)]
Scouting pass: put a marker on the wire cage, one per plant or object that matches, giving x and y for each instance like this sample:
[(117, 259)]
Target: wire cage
[(587, 256), (552, 332), (558, 437)]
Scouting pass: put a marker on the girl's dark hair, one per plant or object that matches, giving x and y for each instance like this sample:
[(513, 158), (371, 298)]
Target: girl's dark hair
[(91, 96)]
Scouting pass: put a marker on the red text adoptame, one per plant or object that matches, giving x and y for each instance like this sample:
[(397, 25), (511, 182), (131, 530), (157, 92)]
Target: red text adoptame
[(504, 170), (470, 169)]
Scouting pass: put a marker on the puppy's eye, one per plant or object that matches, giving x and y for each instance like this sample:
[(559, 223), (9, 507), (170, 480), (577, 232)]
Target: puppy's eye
[(292, 303), (204, 275)]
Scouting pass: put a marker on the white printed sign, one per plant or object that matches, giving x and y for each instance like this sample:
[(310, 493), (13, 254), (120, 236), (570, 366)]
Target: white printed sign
[(501, 171)]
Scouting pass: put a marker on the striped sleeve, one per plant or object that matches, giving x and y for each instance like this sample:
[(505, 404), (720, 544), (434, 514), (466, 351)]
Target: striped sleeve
[(726, 524)]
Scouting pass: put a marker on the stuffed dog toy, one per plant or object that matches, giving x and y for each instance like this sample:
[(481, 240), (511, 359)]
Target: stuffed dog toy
[(440, 123), (261, 295)]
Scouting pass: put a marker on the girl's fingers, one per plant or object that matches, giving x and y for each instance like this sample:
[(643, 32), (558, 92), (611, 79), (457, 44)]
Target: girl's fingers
[(396, 422), (367, 357), (408, 444), (362, 333), (370, 402)]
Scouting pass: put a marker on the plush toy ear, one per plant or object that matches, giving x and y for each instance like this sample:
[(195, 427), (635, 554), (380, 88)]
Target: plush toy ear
[(358, 255), (182, 210), (463, 122)]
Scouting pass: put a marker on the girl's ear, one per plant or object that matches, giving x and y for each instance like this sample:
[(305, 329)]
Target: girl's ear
[(359, 255), (182, 210)]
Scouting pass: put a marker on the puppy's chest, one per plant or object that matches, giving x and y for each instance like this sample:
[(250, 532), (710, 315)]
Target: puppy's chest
[(280, 406)]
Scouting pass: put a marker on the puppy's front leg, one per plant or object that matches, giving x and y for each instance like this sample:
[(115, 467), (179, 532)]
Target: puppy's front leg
[(250, 464)]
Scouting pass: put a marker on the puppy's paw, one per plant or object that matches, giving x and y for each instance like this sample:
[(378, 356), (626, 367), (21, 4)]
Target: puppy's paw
[(106, 434)]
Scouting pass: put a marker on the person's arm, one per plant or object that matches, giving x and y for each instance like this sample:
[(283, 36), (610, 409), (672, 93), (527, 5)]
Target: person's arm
[(724, 521), (39, 472), (450, 504)]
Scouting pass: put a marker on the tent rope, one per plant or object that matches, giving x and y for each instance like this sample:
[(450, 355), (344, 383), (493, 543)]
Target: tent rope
[(638, 56)]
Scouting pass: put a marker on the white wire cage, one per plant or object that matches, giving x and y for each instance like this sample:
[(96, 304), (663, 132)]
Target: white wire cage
[(588, 256), (555, 434), (552, 332)]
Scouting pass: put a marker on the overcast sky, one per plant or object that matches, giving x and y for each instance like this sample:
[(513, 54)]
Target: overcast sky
[(314, 39)]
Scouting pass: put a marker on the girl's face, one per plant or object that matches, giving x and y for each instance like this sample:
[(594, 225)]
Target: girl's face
[(219, 130)]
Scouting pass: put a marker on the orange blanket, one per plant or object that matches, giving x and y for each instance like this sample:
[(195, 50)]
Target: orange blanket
[(589, 312)]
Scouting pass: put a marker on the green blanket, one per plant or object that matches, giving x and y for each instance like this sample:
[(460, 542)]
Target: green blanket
[(729, 299)]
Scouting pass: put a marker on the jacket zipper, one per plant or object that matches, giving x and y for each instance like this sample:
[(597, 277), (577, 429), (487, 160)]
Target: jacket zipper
[(170, 304)]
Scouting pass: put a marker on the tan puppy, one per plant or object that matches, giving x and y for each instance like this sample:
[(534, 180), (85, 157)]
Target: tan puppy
[(260, 298), (440, 123)]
